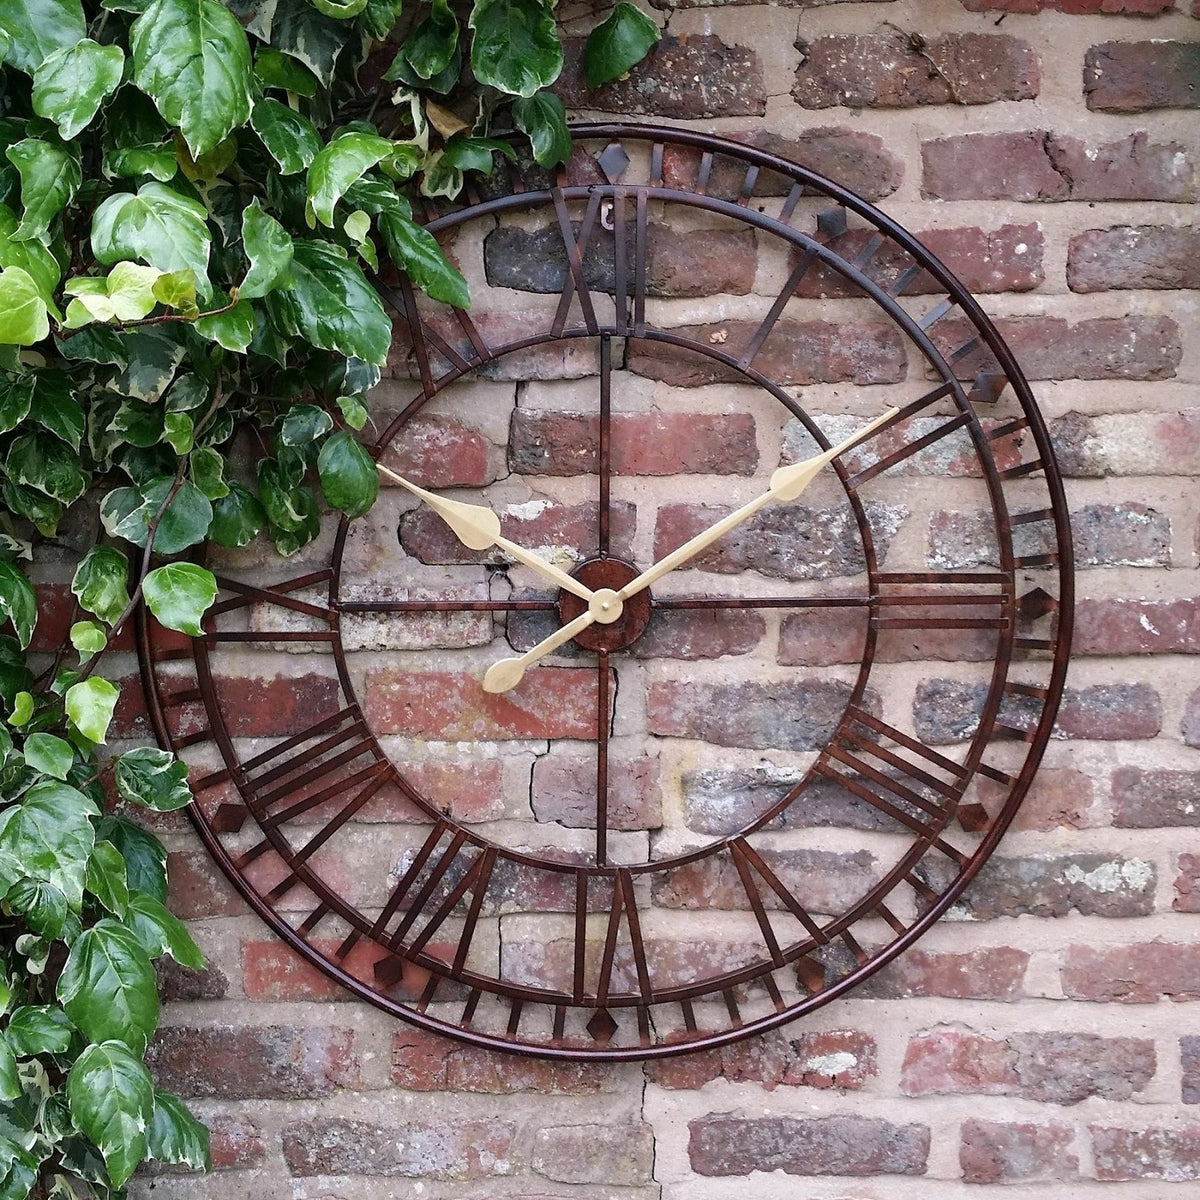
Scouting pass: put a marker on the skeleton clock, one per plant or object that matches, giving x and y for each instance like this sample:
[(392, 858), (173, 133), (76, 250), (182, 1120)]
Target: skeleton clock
[(701, 649)]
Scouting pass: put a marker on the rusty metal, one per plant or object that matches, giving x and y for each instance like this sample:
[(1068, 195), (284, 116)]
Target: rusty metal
[(616, 1004)]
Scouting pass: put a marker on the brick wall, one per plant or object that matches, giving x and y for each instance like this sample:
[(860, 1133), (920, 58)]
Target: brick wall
[(1046, 1037)]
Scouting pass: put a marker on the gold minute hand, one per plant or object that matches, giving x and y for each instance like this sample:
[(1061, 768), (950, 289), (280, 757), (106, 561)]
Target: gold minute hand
[(786, 484), (477, 527)]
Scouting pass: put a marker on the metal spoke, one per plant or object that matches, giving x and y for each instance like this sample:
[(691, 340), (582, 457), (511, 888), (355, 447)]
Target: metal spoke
[(762, 602), (419, 606), (602, 722), (605, 449)]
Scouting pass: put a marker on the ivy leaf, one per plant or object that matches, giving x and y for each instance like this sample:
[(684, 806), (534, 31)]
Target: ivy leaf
[(90, 704), (158, 225), (349, 478), (291, 139), (111, 1097), (542, 118), (43, 906), (431, 45), (154, 355), (354, 412), (145, 858), (515, 48), (268, 249), (127, 294), (39, 460), (22, 708), (183, 523), (619, 42), (337, 166), (475, 154), (179, 594), (18, 601), (275, 70), (208, 472), (16, 395), (101, 583), (10, 1081), (18, 1171), (31, 256), (153, 779), (24, 317), (306, 35), (38, 1029), (238, 518), (70, 85), (55, 407), (50, 833), (50, 175), (304, 424), (176, 1136), (37, 28), (105, 878), (416, 251), (233, 328), (174, 289), (331, 304), (161, 932), (340, 12), (49, 754), (178, 432), (192, 58), (88, 637)]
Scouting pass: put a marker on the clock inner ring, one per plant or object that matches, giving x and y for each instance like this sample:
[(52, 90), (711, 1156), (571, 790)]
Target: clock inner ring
[(614, 573)]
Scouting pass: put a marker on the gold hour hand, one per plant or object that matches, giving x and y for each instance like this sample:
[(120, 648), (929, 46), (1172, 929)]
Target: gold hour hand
[(478, 528)]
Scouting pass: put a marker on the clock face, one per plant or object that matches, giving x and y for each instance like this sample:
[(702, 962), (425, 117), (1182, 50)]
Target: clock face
[(742, 780)]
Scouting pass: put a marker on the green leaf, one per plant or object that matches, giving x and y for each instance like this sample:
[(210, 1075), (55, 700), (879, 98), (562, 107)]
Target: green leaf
[(105, 878), (176, 1136), (349, 478), (192, 58), (10, 1081), (179, 594), (340, 12), (208, 472), (50, 833), (431, 45), (128, 294), (238, 518), (55, 407), (22, 709), (268, 249), (112, 1102), (43, 906), (331, 304), (137, 141), (380, 17), (309, 37), (175, 289), (475, 153), (178, 432), (16, 395), (515, 48), (50, 176), (291, 139), (90, 704), (31, 256), (145, 858), (37, 28), (38, 1029), (619, 42), (276, 70), (161, 932), (154, 355), (101, 583), (354, 412), (18, 601), (24, 317), (153, 779), (304, 424), (20, 1171), (233, 328), (416, 251), (337, 166), (88, 637), (70, 85), (39, 460), (543, 120), (185, 520), (158, 225), (49, 754)]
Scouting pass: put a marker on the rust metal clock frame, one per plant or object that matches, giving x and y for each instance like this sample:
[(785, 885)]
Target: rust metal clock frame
[(1027, 601)]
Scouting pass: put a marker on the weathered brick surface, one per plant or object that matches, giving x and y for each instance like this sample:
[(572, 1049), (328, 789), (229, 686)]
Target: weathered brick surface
[(1016, 1152), (1135, 76), (1138, 973), (1189, 1055), (1171, 1154), (888, 71), (1134, 256), (1149, 799), (611, 1154)]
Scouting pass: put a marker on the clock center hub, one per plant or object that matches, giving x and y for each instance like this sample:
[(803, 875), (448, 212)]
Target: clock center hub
[(619, 623)]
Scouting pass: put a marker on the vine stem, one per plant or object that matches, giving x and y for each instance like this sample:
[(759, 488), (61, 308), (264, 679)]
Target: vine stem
[(161, 319)]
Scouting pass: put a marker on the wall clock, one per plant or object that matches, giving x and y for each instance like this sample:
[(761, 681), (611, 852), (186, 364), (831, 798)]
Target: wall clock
[(572, 775)]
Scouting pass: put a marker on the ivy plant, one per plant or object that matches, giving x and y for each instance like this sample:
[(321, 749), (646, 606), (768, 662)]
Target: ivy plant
[(196, 199)]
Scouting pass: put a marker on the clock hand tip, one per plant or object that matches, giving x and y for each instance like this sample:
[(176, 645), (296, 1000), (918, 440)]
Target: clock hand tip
[(503, 676)]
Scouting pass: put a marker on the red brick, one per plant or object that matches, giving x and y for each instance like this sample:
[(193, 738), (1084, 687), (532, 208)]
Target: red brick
[(539, 525), (1189, 1056), (1134, 347), (197, 887), (543, 442), (1058, 1068), (1153, 799), (131, 718), (792, 715), (176, 982), (1127, 626), (1016, 1152), (560, 703), (700, 633), (1145, 443), (1139, 973), (1058, 798), (723, 1145), (437, 453), (622, 1154), (1134, 256), (235, 1141), (1037, 165), (988, 973), (859, 161), (1172, 1155), (886, 70), (682, 78), (252, 1062), (1136, 76), (796, 352), (1187, 884), (564, 791), (835, 1058), (426, 1062), (1190, 726), (283, 705), (458, 1149), (57, 612), (1007, 259)]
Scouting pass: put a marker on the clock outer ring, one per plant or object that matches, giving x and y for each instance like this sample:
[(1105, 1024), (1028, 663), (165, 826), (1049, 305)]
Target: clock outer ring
[(964, 301)]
